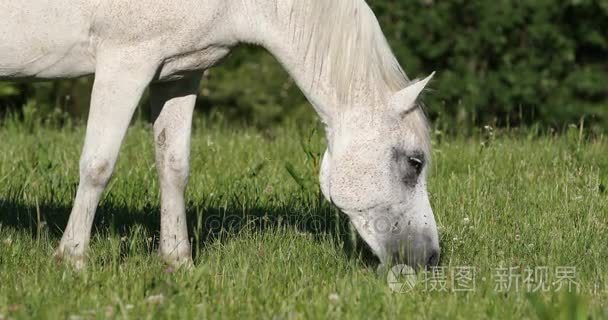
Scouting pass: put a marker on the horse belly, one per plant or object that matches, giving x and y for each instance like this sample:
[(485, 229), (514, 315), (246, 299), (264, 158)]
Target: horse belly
[(53, 63), (44, 39)]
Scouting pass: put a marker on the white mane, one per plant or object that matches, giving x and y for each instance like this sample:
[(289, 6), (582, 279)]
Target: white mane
[(343, 40), (344, 36)]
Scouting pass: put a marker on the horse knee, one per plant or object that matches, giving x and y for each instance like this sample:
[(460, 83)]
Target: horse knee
[(175, 169), (96, 172)]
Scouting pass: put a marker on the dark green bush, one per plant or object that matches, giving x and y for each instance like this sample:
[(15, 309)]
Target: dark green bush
[(505, 63)]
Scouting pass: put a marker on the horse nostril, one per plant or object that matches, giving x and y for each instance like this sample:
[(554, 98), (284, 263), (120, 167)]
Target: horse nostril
[(433, 259)]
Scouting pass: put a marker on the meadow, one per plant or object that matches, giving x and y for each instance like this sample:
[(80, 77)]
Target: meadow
[(522, 215)]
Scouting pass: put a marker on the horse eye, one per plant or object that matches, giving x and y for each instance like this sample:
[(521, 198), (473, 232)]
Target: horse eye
[(416, 163)]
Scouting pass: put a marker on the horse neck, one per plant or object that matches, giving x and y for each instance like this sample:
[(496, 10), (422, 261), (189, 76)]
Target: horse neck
[(270, 23)]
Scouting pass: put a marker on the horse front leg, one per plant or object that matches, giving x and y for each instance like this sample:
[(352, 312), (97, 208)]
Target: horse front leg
[(118, 87), (172, 130)]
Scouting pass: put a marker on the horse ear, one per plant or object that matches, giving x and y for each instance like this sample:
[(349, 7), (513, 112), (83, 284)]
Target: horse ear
[(403, 100)]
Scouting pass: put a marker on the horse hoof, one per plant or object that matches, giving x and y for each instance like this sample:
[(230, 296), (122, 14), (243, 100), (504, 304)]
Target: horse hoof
[(179, 262), (76, 262)]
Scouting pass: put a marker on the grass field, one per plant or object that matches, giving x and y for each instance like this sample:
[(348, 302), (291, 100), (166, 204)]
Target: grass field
[(267, 246)]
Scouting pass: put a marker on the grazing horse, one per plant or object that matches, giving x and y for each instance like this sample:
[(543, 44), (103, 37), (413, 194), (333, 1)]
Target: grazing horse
[(374, 168)]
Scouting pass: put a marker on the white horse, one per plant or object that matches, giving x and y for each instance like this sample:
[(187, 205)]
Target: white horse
[(374, 168)]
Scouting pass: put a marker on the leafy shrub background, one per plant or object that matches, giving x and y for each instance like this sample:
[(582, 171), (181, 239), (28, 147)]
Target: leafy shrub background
[(505, 63)]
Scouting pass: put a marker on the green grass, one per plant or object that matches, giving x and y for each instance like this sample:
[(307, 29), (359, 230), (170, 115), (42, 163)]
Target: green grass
[(267, 246)]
